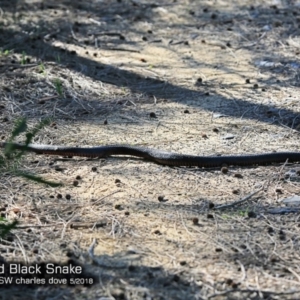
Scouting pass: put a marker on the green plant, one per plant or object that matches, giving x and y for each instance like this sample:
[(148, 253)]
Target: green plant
[(58, 86), (241, 212), (23, 59), (42, 68), (4, 52), (5, 227), (10, 162)]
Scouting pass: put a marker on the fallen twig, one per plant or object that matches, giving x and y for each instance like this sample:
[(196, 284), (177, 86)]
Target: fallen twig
[(283, 210), (238, 201)]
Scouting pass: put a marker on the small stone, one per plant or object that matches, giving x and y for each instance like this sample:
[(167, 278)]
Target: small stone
[(211, 205), (224, 170), (118, 206), (195, 221), (251, 214), (238, 175)]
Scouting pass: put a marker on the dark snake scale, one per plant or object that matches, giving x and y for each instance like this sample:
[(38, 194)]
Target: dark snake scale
[(162, 157)]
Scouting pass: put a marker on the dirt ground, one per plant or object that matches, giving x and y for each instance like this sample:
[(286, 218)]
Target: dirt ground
[(194, 77)]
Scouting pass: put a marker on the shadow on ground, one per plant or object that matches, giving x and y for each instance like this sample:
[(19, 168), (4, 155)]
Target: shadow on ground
[(37, 40)]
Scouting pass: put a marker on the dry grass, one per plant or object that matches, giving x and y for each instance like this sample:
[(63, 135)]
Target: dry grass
[(99, 69)]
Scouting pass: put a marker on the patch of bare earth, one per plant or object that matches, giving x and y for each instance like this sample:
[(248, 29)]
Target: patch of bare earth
[(191, 77)]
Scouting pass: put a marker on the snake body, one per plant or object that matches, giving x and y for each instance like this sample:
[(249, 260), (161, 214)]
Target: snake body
[(161, 157)]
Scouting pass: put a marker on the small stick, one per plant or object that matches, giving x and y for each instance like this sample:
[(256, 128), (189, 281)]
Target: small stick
[(238, 201), (120, 49), (91, 250), (37, 226)]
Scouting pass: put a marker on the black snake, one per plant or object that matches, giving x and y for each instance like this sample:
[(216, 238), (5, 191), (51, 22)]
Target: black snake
[(162, 157)]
